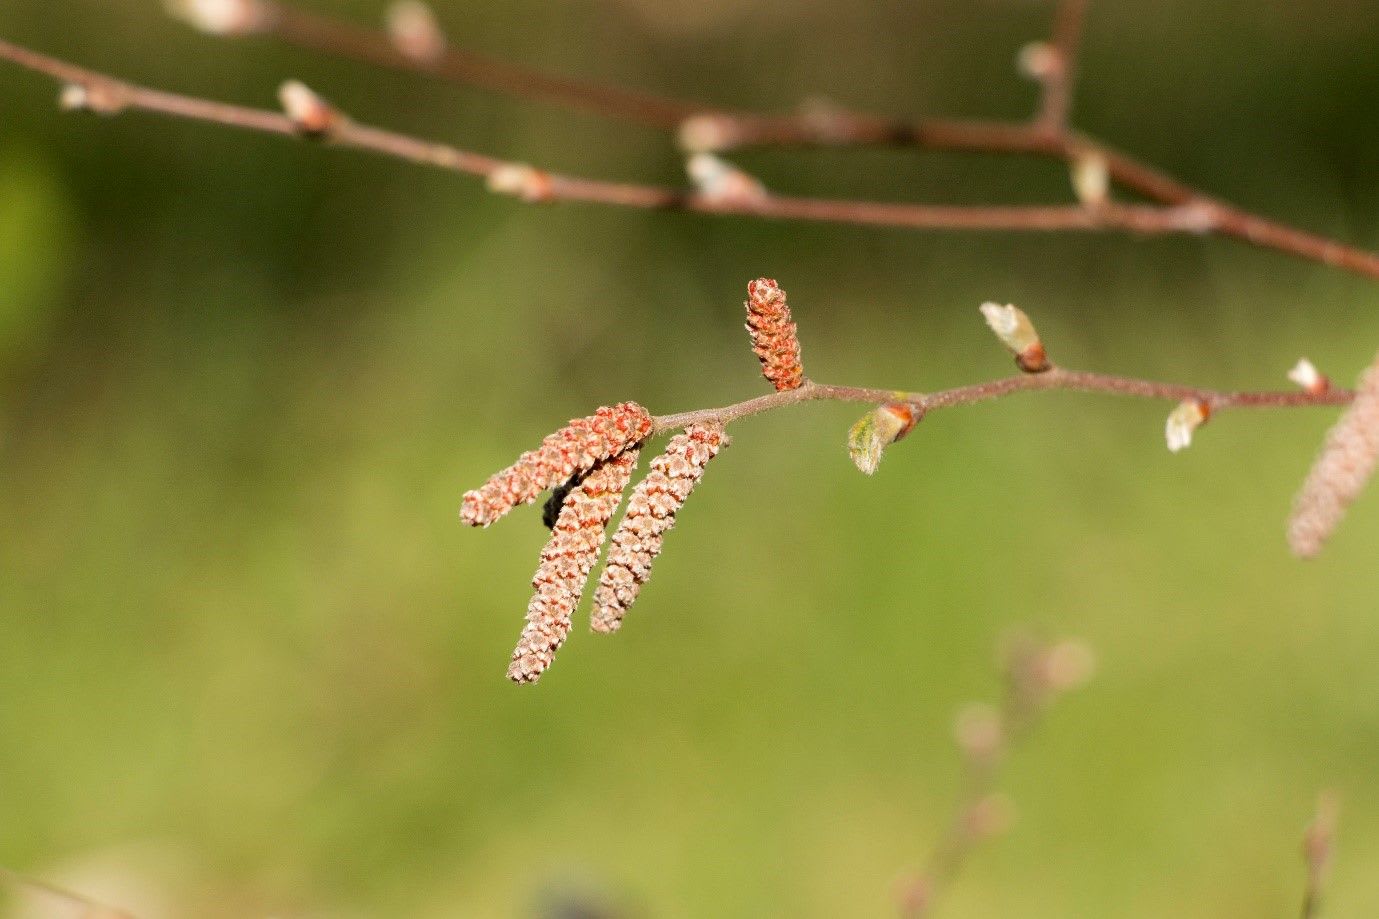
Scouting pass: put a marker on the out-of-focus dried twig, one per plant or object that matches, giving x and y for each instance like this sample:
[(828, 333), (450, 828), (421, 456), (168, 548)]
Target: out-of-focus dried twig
[(1035, 675), (87, 907), (1318, 847), (709, 128)]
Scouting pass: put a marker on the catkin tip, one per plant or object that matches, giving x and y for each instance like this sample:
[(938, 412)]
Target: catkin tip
[(566, 562), (775, 340), (564, 454)]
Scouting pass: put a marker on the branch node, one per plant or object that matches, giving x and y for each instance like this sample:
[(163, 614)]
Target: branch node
[(311, 115), (521, 181), (415, 33), (223, 17), (720, 181), (97, 97)]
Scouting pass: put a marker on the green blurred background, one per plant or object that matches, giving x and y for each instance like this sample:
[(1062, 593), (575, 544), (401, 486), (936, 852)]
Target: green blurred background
[(252, 665)]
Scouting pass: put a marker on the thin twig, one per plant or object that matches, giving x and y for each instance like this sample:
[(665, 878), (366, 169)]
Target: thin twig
[(1056, 378), (92, 909), (1056, 105), (1318, 846), (341, 38), (1035, 675), (118, 95), (1193, 217), (723, 129)]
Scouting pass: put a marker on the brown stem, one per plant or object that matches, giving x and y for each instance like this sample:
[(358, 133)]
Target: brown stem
[(1057, 102), (1056, 378), (1195, 215), (117, 95), (1048, 135), (345, 39)]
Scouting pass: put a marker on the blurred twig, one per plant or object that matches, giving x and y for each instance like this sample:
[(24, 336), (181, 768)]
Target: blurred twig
[(1035, 675), (90, 909), (705, 127), (109, 96), (1318, 846)]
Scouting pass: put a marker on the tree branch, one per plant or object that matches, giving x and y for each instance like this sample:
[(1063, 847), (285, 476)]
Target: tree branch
[(1057, 102), (1055, 378), (110, 96), (715, 128), (345, 39)]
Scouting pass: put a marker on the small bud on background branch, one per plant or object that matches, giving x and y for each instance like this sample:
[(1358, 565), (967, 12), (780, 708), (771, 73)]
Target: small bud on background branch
[(719, 180), (521, 181), (222, 17), (415, 32), (97, 99), (310, 114)]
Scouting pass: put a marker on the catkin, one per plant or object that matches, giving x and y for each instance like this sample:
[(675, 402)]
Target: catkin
[(566, 561), (774, 337), (574, 449), (650, 513), (1345, 464)]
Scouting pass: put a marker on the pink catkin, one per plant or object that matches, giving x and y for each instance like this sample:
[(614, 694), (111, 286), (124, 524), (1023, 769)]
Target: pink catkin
[(1339, 475), (774, 337), (650, 513), (566, 561), (574, 449)]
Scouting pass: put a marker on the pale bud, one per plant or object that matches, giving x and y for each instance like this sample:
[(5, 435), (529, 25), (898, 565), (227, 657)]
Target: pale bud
[(706, 133), (414, 31), (719, 180), (221, 17), (1038, 61), (1017, 333), (1190, 415), (1318, 841), (992, 815), (1091, 179), (521, 181), (1068, 664), (310, 113), (978, 731), (99, 98), (1307, 376), (828, 122), (877, 430)]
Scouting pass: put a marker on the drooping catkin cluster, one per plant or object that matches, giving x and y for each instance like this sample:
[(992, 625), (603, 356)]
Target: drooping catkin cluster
[(774, 337), (1346, 463), (650, 514), (575, 448), (566, 562)]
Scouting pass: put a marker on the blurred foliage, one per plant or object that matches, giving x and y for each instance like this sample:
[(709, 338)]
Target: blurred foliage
[(250, 664)]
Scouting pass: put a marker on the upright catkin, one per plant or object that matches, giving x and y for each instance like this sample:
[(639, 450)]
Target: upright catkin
[(574, 449), (775, 339), (650, 513), (1338, 476), (566, 561)]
